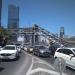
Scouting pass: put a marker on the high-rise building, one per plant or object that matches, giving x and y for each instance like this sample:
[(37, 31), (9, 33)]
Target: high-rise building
[(0, 11), (62, 33), (13, 17)]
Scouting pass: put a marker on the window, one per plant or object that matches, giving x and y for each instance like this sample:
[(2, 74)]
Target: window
[(67, 51), (60, 50), (74, 50)]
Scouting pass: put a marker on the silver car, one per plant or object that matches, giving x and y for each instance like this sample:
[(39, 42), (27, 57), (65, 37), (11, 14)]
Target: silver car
[(9, 52), (41, 51)]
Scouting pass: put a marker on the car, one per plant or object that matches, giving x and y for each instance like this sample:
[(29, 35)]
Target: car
[(26, 48), (30, 49), (54, 47), (1, 47), (41, 51), (18, 47), (68, 54), (9, 52)]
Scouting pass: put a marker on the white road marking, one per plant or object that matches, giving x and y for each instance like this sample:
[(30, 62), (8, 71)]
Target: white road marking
[(44, 70), (41, 61), (30, 71), (30, 68)]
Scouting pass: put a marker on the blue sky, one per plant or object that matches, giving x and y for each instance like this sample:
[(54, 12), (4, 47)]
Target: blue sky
[(49, 14)]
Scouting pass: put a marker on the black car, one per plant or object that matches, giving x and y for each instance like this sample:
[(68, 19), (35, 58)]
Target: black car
[(53, 48), (41, 51)]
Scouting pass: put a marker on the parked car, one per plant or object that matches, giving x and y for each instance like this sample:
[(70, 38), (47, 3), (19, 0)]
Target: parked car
[(68, 54), (41, 51), (9, 52)]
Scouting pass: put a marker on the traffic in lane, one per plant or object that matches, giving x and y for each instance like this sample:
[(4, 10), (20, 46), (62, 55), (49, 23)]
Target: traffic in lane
[(29, 64), (15, 67)]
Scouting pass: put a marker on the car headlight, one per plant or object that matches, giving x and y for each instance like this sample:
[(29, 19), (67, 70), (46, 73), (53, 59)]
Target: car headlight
[(42, 51), (31, 49)]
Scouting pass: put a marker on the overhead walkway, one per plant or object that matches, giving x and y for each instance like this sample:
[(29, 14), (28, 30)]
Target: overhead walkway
[(50, 36)]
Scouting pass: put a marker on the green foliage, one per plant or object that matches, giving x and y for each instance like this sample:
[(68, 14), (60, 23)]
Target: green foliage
[(3, 36), (3, 32)]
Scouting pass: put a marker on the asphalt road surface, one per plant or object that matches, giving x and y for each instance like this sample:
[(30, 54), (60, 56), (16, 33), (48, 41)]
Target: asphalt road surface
[(15, 67), (28, 64), (67, 71)]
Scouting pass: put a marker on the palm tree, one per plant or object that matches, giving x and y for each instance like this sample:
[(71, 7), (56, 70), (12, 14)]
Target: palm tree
[(3, 35)]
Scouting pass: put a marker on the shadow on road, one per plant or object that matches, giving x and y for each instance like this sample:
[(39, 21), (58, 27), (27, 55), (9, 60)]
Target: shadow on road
[(1, 69)]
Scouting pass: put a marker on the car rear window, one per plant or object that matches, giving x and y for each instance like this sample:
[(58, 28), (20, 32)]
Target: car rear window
[(41, 47)]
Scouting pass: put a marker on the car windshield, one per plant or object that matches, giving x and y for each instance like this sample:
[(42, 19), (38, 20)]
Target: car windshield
[(9, 48)]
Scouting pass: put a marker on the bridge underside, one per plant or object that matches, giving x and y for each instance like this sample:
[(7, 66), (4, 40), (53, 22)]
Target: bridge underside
[(35, 35)]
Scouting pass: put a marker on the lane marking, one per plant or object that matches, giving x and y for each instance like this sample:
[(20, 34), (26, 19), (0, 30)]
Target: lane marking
[(44, 70), (45, 64), (30, 68), (32, 71), (41, 61)]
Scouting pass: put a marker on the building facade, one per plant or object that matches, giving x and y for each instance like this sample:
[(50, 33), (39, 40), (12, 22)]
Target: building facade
[(62, 32), (0, 11), (13, 17), (25, 35)]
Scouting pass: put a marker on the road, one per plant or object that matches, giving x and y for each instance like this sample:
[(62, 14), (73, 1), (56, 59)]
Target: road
[(28, 64), (67, 70), (15, 67)]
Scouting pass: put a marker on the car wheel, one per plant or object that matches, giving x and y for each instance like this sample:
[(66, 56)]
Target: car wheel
[(17, 55), (55, 58), (33, 53), (0, 61)]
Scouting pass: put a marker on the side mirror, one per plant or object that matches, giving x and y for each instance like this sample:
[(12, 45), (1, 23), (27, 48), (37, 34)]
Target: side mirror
[(71, 55)]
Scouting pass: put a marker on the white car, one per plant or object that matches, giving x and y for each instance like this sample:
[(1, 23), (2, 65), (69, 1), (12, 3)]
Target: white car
[(9, 52), (26, 48), (18, 47), (68, 54)]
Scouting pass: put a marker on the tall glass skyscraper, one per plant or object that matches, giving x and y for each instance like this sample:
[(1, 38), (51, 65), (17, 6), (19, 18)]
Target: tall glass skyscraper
[(0, 11), (62, 32), (13, 17)]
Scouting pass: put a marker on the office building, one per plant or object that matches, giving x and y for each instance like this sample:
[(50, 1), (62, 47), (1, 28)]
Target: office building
[(62, 32), (13, 17), (0, 11)]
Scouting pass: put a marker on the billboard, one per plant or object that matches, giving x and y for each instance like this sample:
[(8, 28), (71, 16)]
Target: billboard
[(20, 38)]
